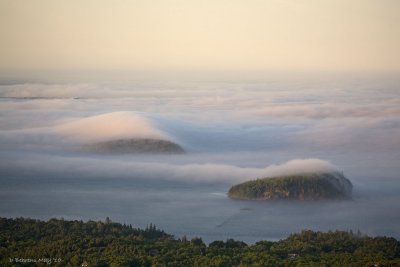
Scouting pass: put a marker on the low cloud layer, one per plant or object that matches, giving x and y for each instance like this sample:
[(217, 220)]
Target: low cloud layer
[(110, 126), (299, 166), (187, 173), (346, 115), (232, 132), (72, 133), (363, 98), (321, 111)]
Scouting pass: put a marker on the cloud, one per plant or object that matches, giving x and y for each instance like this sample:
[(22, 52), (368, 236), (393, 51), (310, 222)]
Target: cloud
[(230, 173), (71, 133), (38, 104), (110, 126), (361, 135), (204, 101), (49, 91), (233, 132), (321, 111), (311, 165), (110, 168)]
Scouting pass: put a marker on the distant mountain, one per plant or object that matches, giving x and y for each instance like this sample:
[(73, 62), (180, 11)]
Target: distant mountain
[(312, 186), (136, 145)]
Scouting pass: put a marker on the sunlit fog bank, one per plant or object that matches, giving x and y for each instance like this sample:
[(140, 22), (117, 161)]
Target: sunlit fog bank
[(231, 131)]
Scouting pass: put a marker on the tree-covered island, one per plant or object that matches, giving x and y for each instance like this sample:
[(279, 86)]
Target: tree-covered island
[(135, 146), (309, 186)]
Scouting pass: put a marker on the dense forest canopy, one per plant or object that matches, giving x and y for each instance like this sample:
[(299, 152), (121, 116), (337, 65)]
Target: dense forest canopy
[(57, 242)]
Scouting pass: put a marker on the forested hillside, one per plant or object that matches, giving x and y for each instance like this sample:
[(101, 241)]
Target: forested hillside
[(28, 242)]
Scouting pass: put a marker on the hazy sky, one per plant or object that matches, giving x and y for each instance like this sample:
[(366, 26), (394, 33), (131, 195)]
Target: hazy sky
[(356, 35)]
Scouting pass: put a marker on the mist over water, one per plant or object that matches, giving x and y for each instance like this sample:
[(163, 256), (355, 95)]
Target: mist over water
[(231, 132)]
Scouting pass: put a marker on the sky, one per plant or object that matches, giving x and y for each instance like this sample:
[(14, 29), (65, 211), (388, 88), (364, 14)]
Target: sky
[(239, 35)]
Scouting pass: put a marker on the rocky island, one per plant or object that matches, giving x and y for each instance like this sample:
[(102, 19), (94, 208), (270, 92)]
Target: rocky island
[(136, 145), (312, 186)]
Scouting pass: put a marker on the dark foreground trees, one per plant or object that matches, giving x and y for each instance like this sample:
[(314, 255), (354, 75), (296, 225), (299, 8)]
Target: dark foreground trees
[(28, 242)]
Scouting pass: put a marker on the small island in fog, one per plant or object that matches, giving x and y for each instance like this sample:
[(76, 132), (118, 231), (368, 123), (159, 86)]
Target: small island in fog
[(136, 146), (312, 186)]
